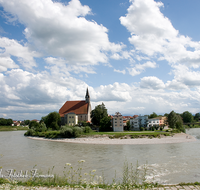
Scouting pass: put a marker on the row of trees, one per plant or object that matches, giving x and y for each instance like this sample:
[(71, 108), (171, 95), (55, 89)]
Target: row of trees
[(5, 122)]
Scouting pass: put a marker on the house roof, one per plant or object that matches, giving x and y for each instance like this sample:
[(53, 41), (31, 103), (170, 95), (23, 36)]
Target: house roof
[(78, 107)]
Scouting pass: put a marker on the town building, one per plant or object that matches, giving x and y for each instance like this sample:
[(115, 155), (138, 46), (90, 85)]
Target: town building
[(80, 108), (137, 122), (117, 122)]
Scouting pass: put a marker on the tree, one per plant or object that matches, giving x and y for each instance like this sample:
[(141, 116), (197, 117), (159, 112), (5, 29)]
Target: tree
[(187, 117), (172, 119), (197, 116), (179, 124), (52, 120), (128, 125), (98, 113), (27, 122), (105, 124), (153, 115)]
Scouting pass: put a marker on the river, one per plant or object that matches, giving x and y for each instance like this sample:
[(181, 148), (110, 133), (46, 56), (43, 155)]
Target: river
[(168, 163)]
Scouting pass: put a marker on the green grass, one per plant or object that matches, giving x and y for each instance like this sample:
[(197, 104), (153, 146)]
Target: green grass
[(132, 177), (132, 134), (12, 128)]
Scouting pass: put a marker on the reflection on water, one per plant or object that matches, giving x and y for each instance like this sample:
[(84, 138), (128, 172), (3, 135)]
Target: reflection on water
[(169, 163)]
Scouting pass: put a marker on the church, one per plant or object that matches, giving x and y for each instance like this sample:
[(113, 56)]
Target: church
[(73, 111)]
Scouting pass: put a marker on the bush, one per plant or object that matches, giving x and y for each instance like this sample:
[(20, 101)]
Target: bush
[(77, 131), (66, 132), (30, 132), (87, 129), (142, 129), (52, 134)]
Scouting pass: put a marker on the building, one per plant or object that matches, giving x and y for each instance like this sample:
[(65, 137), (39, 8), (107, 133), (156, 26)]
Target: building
[(71, 119), (81, 109), (117, 122), (153, 122), (137, 122), (158, 121)]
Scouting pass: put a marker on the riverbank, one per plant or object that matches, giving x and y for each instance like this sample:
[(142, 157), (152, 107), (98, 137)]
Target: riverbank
[(165, 187), (176, 138)]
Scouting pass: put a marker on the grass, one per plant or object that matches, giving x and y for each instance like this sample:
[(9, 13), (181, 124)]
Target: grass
[(133, 177), (12, 128), (131, 134)]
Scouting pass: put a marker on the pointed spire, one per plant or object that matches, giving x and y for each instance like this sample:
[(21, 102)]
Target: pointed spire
[(87, 96)]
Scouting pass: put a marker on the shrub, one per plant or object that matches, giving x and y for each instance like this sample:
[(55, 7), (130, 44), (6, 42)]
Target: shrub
[(66, 132), (142, 129), (77, 131), (87, 129), (52, 134), (30, 132)]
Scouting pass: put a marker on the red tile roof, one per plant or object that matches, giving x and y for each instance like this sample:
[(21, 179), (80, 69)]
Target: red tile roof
[(78, 107)]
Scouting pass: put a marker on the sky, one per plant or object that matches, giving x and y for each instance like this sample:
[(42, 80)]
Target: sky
[(135, 56)]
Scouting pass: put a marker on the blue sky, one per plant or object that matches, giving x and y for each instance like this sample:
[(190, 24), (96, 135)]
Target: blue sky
[(136, 56)]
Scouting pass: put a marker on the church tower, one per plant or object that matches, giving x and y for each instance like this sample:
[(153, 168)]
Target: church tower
[(87, 96)]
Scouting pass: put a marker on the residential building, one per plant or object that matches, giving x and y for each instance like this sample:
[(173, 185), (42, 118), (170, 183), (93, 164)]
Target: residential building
[(137, 122), (157, 121), (153, 122), (117, 122), (81, 108)]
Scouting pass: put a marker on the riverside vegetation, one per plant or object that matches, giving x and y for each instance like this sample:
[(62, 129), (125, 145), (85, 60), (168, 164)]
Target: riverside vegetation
[(132, 177)]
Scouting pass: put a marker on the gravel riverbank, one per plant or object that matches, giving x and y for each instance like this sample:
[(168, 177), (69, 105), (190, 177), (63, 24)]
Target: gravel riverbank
[(177, 138)]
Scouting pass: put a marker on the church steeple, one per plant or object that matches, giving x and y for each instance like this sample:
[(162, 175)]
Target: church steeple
[(87, 96)]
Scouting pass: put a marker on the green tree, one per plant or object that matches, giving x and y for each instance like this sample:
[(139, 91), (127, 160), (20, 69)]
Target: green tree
[(27, 122), (153, 115), (3, 122), (128, 125), (187, 117), (98, 113), (179, 124), (172, 119), (34, 125), (105, 124), (197, 116), (52, 120)]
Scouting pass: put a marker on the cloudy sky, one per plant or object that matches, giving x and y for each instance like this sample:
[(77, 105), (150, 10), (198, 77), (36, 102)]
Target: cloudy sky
[(136, 56)]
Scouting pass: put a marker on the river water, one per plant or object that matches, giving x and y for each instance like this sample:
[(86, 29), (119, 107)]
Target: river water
[(167, 163)]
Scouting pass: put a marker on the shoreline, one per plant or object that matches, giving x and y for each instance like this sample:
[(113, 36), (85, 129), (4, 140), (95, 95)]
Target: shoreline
[(177, 138)]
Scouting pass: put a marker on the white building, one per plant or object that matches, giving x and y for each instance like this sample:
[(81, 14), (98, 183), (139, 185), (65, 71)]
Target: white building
[(71, 119), (153, 122), (117, 122)]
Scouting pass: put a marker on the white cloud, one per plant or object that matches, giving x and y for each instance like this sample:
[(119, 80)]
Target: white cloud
[(152, 82), (62, 30), (139, 68), (119, 71), (153, 34), (184, 78), (13, 48), (7, 63)]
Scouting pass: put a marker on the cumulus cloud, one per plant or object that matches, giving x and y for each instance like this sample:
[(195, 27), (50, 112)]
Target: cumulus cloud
[(119, 71), (152, 82), (154, 35), (11, 47), (139, 68), (62, 30), (7, 63), (184, 78)]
